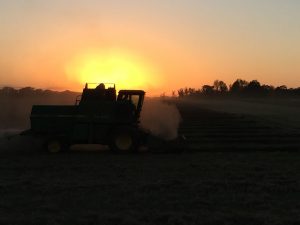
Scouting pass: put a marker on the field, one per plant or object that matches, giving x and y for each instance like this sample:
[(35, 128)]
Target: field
[(235, 168), (241, 125)]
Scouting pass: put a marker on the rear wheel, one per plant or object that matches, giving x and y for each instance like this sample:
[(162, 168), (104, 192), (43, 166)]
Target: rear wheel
[(124, 140), (55, 145)]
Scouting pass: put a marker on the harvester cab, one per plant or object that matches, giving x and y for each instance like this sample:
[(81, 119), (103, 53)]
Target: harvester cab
[(135, 97)]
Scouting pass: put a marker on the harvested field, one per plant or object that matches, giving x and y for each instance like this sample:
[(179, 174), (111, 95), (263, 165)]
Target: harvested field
[(188, 188), (236, 169), (208, 128)]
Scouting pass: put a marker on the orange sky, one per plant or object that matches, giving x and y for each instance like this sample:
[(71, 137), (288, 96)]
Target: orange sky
[(155, 46)]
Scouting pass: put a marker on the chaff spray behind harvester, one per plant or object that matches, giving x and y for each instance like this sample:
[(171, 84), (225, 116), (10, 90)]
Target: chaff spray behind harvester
[(99, 116)]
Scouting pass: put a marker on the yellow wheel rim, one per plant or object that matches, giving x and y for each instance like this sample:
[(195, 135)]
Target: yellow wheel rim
[(54, 146), (123, 142)]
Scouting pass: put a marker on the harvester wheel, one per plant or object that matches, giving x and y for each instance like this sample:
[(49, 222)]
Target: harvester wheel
[(55, 145), (124, 140)]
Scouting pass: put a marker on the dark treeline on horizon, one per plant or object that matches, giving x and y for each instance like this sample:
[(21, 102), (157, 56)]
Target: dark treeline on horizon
[(32, 92), (239, 88)]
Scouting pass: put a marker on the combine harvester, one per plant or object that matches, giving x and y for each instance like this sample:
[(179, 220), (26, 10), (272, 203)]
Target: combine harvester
[(99, 116)]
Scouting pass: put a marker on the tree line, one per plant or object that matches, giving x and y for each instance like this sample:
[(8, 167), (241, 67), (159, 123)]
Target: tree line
[(32, 92), (239, 88)]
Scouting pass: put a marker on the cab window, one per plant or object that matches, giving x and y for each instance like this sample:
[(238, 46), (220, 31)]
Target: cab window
[(135, 100)]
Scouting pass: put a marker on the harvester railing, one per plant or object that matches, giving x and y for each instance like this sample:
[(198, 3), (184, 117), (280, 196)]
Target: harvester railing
[(94, 85), (78, 99)]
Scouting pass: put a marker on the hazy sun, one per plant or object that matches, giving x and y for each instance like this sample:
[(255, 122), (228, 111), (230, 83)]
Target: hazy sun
[(126, 70)]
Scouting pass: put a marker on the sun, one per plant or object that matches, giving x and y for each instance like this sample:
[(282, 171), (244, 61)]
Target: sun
[(126, 70)]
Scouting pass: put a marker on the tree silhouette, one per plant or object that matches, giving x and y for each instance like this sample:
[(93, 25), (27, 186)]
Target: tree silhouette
[(220, 86), (207, 90), (8, 91), (238, 86), (253, 88), (180, 93), (27, 91)]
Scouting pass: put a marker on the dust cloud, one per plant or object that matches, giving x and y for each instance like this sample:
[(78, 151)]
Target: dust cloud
[(14, 118), (15, 110), (160, 118), (8, 133), (12, 142)]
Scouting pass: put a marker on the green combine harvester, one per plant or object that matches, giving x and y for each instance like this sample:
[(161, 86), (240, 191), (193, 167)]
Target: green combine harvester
[(99, 116)]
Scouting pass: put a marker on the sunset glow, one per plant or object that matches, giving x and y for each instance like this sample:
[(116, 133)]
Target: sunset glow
[(113, 66), (159, 46)]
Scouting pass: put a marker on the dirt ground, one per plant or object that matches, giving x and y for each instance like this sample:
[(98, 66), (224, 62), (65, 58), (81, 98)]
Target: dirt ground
[(240, 182), (185, 188)]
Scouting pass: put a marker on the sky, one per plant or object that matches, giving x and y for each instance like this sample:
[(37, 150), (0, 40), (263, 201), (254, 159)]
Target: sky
[(157, 45)]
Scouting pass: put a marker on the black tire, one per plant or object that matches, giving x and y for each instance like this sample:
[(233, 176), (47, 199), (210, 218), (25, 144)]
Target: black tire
[(56, 145), (123, 140)]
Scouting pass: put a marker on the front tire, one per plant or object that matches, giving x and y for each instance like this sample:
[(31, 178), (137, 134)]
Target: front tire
[(124, 140)]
